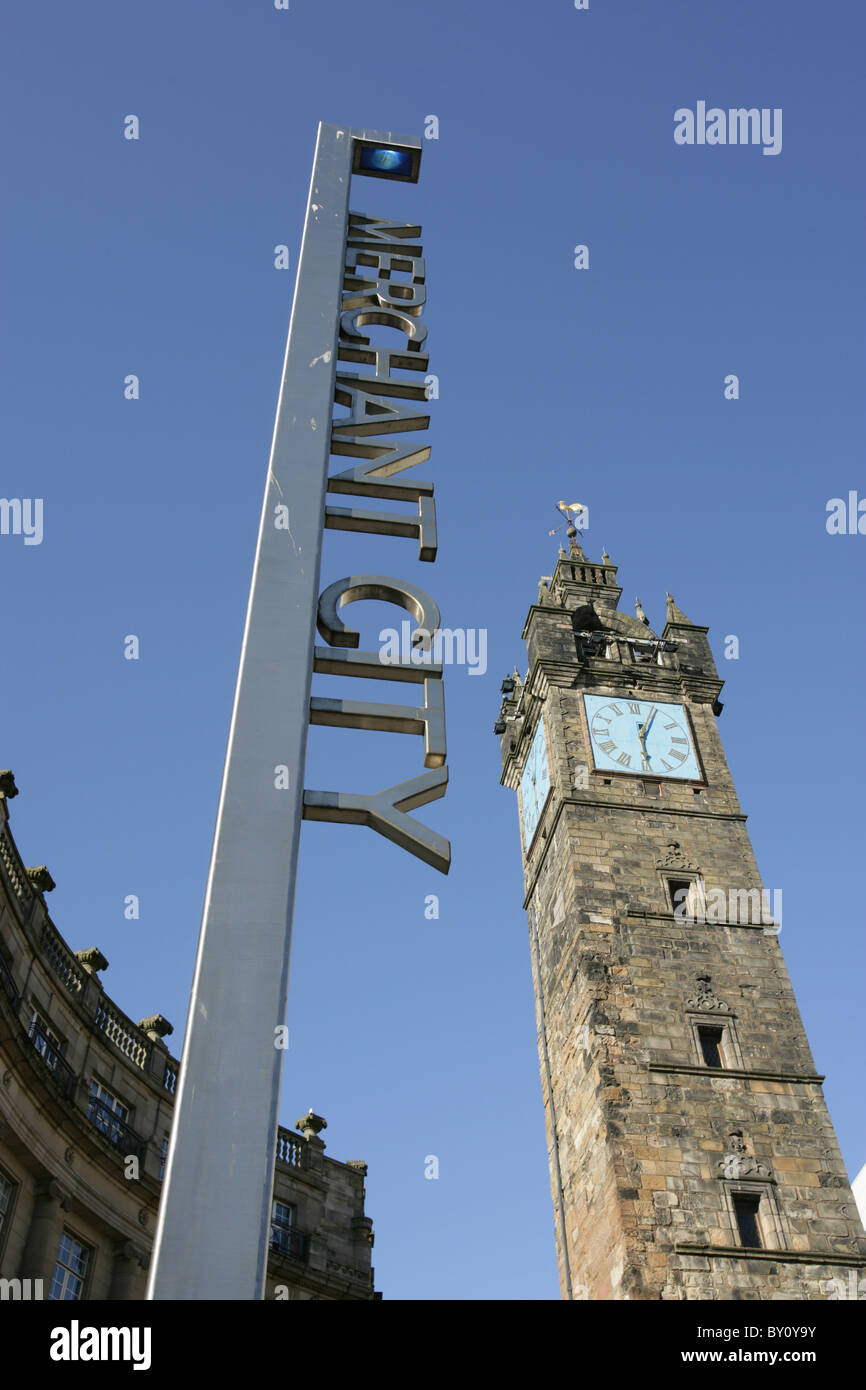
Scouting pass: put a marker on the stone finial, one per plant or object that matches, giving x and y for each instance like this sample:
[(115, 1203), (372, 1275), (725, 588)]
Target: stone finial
[(156, 1027), (92, 959), (675, 614), (41, 878), (544, 589), (310, 1125), (605, 558), (562, 552), (638, 608), (574, 550), (7, 783)]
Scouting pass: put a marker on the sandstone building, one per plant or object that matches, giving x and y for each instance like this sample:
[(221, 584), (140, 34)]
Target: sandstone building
[(691, 1152), (86, 1100)]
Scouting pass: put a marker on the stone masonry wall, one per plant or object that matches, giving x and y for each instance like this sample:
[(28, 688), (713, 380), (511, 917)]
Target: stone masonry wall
[(651, 1144)]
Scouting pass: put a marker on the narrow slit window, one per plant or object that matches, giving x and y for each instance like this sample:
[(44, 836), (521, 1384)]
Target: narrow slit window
[(711, 1045), (680, 890), (746, 1213)]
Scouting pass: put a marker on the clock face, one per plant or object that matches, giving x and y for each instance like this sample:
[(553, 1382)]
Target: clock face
[(643, 736), (534, 784)]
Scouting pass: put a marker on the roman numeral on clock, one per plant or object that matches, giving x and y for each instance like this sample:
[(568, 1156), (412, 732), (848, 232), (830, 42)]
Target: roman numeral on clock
[(608, 747), (634, 707), (624, 759)]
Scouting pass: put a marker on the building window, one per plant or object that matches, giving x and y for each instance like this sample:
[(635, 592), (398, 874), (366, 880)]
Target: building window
[(7, 1194), (753, 1210), (7, 980), (70, 1270), (746, 1206), (282, 1227), (286, 1239), (44, 1039), (710, 1039), (682, 898), (107, 1113), (715, 1041)]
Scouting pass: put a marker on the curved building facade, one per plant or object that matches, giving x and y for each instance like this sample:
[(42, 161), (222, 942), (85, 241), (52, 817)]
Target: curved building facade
[(86, 1099)]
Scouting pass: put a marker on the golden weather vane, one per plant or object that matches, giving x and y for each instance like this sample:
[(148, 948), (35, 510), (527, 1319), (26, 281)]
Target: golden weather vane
[(564, 508)]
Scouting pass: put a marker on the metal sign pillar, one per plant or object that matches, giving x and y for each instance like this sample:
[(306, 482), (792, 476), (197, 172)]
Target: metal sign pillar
[(214, 1220)]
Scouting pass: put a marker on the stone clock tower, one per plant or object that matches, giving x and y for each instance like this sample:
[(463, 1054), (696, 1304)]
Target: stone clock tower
[(691, 1153)]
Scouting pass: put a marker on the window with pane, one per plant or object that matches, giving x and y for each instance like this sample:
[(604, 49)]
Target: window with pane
[(44, 1039), (7, 1192), (70, 1269), (282, 1225), (7, 979), (107, 1113)]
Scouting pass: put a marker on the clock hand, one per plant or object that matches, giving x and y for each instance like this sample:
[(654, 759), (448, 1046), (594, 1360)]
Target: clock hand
[(644, 755), (642, 733), (644, 729)]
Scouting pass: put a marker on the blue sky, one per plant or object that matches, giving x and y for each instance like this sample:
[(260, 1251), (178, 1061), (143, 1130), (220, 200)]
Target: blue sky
[(155, 257)]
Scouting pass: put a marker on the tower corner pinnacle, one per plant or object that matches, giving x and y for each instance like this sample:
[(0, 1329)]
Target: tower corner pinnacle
[(675, 614)]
